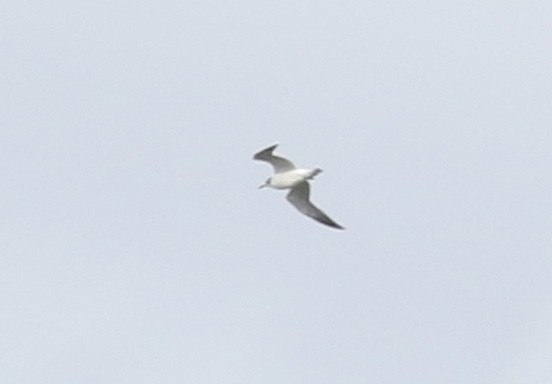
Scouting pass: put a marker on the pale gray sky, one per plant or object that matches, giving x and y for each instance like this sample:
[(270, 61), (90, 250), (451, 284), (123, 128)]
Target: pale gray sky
[(136, 247)]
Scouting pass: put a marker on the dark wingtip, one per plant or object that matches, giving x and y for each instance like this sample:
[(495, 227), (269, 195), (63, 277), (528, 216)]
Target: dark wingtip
[(330, 223), (259, 155), (272, 147)]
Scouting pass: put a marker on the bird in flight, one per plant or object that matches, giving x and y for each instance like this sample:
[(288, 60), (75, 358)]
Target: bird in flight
[(288, 176)]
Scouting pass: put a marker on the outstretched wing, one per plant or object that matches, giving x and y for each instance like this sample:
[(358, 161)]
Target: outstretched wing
[(299, 198), (278, 163)]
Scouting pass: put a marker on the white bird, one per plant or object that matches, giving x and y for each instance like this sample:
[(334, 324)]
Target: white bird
[(288, 176)]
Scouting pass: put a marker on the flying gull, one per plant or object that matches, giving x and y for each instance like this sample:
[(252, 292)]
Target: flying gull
[(288, 176)]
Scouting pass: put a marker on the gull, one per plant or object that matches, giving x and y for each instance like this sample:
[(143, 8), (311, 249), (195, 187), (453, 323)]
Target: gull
[(288, 176)]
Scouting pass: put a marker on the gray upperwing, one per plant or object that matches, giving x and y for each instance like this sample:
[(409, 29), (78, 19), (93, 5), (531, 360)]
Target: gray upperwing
[(299, 198), (278, 163)]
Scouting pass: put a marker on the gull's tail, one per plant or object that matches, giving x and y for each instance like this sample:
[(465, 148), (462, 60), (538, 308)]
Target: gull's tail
[(315, 172)]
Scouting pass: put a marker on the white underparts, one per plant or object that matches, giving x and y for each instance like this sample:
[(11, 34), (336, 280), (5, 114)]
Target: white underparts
[(291, 178)]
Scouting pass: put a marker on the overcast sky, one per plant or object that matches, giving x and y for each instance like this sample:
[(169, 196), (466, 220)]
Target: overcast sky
[(136, 248)]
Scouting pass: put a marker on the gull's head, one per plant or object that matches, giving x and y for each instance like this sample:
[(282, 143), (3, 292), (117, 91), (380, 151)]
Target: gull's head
[(266, 183)]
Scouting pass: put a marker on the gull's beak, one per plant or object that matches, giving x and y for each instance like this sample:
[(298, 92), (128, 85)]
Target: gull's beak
[(262, 186)]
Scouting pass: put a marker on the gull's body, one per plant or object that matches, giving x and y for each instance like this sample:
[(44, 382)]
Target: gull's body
[(287, 176), (289, 179)]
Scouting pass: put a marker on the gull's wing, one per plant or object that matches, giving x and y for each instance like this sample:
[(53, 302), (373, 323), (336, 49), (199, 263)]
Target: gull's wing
[(299, 197), (278, 163)]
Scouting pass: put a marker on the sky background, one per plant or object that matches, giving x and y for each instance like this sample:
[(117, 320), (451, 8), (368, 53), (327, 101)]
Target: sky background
[(136, 248)]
